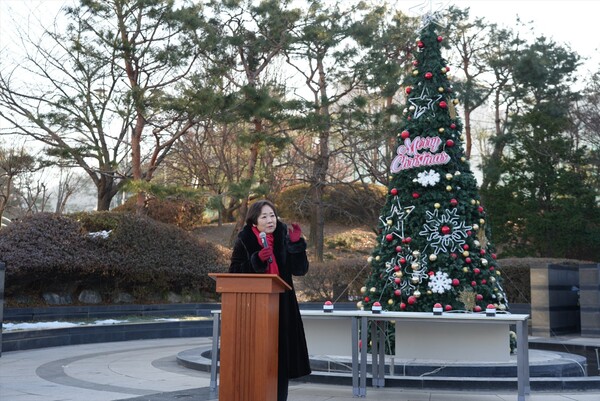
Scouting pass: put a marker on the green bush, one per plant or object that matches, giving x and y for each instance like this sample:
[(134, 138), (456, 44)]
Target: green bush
[(46, 252), (347, 204)]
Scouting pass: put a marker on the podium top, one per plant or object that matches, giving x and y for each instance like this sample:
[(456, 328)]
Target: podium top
[(249, 283)]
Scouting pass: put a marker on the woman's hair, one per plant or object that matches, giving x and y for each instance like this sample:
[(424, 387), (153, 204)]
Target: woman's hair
[(255, 209)]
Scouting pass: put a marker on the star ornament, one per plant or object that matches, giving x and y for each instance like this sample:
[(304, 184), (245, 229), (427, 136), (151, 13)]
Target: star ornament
[(423, 103), (429, 10)]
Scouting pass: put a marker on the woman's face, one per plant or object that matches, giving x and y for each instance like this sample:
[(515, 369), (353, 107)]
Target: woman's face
[(267, 221)]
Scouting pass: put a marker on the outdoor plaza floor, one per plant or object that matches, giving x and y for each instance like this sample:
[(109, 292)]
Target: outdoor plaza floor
[(148, 370)]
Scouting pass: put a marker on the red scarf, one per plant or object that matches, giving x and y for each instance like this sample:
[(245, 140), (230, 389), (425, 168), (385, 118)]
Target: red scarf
[(272, 267)]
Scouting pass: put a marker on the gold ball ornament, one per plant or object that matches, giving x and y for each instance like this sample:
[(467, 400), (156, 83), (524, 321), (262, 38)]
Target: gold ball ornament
[(449, 188), (429, 292), (433, 257), (473, 202), (441, 130), (475, 227), (455, 101), (441, 89), (372, 290), (363, 290), (415, 280), (398, 274), (481, 221), (416, 254), (378, 258), (414, 266), (389, 222), (484, 262), (415, 73), (463, 159), (449, 176), (465, 253), (465, 269), (390, 302), (476, 243), (359, 305), (370, 259), (437, 205), (456, 173), (417, 293), (462, 137)]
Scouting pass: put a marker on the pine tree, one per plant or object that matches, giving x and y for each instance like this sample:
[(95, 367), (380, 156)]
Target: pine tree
[(433, 243)]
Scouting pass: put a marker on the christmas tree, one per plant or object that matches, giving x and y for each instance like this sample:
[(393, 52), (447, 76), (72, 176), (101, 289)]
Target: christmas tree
[(433, 242)]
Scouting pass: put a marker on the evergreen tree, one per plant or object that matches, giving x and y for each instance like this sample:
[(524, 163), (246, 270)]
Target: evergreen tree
[(433, 239)]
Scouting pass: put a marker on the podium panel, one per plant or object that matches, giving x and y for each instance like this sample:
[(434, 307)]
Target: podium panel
[(249, 335)]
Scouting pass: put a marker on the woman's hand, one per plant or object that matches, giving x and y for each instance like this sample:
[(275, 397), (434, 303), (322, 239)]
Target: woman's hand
[(295, 232)]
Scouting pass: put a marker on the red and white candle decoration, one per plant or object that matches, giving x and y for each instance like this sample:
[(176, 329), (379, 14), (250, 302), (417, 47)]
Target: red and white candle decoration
[(327, 307), (437, 309), (376, 307)]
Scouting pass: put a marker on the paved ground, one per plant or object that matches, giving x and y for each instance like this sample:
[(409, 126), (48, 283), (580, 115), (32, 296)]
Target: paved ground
[(148, 371)]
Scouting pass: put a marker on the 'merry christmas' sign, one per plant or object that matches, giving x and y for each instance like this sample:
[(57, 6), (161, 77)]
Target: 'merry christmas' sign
[(408, 155)]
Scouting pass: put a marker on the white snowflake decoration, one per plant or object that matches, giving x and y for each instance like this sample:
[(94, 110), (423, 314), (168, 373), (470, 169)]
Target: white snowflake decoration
[(426, 178), (440, 283), (454, 240)]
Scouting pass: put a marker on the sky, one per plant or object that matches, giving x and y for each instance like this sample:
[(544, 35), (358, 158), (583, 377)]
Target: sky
[(571, 22)]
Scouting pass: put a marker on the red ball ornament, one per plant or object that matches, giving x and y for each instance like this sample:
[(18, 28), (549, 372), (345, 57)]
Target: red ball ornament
[(466, 247), (493, 256), (492, 268), (415, 195), (397, 293), (446, 230), (453, 126), (453, 202), (396, 268), (389, 238), (453, 255), (437, 305), (397, 280), (402, 260), (402, 305), (479, 297), (450, 143), (483, 282), (443, 104), (473, 283), (476, 270), (408, 90), (415, 63), (412, 300), (448, 308), (480, 209), (420, 44), (447, 68), (477, 308), (405, 134), (455, 282), (439, 39), (394, 191), (428, 75), (398, 248), (468, 260), (430, 273), (407, 240), (367, 299)]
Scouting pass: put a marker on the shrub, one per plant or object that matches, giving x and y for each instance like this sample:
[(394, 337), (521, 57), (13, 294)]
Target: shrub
[(184, 213), (47, 252), (337, 280), (347, 204)]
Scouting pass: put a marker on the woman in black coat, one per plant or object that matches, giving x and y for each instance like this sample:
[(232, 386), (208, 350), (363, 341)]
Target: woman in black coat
[(285, 256)]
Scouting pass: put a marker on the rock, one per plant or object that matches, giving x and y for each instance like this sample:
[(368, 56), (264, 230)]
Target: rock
[(53, 298), (90, 297), (123, 298), (174, 298)]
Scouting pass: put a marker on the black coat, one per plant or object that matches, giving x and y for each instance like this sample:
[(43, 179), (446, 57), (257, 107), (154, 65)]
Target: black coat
[(291, 260)]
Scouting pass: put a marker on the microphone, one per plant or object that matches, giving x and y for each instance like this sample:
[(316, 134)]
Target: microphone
[(265, 244)]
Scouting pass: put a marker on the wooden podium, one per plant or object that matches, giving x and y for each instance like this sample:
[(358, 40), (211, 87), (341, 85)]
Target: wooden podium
[(249, 335)]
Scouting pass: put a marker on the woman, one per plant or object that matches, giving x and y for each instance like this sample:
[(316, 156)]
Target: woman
[(285, 255)]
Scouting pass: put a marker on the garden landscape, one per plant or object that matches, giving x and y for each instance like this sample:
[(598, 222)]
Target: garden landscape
[(435, 163)]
